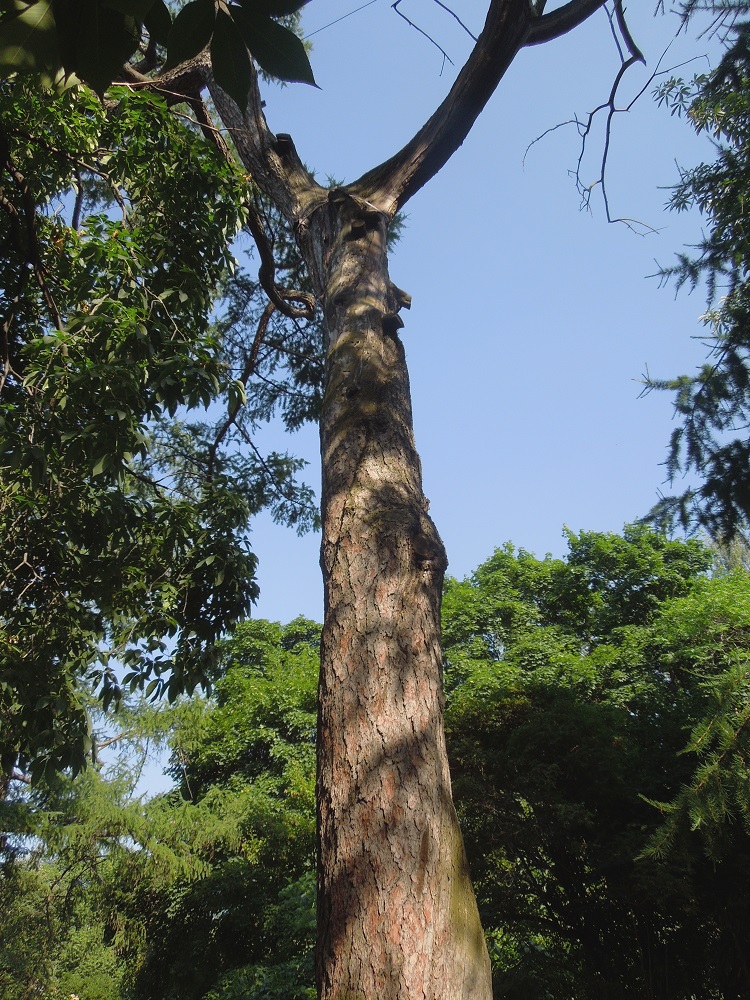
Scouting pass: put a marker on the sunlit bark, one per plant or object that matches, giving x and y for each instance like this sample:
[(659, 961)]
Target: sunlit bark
[(397, 914)]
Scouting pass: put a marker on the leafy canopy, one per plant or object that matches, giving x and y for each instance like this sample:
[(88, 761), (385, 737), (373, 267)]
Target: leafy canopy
[(125, 523), (596, 723), (91, 40)]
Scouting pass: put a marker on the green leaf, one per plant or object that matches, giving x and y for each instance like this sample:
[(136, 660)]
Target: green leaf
[(69, 17), (191, 32), (231, 60), (237, 396), (28, 38), (158, 22), (276, 49), (95, 41)]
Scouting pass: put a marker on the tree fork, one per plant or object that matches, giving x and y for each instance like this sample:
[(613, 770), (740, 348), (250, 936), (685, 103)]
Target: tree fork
[(396, 909)]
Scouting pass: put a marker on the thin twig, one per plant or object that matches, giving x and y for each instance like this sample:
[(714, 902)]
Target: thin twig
[(618, 24), (454, 14), (429, 38)]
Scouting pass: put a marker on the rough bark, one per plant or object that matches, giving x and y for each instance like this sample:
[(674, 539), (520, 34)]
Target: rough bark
[(397, 916), (397, 913)]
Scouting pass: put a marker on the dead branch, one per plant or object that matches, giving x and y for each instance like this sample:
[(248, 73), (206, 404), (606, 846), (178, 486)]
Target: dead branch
[(629, 54), (510, 25), (390, 185)]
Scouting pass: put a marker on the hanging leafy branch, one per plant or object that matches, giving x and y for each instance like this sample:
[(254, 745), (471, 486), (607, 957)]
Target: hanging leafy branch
[(90, 40), (712, 439)]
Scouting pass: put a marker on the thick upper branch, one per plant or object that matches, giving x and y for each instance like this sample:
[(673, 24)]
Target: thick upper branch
[(274, 167), (510, 25), (564, 19), (391, 184), (176, 85), (271, 160)]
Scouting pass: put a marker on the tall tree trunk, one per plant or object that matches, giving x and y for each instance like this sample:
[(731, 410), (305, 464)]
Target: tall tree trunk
[(397, 913), (397, 916)]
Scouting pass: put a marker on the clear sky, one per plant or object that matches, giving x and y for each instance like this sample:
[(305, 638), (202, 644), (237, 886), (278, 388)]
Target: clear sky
[(532, 321)]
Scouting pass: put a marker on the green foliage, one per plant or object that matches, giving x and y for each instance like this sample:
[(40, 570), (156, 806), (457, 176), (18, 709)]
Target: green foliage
[(248, 760), (292, 923), (56, 940), (130, 297), (91, 40), (582, 692), (206, 891), (596, 715), (607, 581), (125, 523), (711, 630), (713, 404)]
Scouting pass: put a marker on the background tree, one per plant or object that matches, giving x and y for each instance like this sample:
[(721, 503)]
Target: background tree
[(595, 720), (246, 927), (205, 891)]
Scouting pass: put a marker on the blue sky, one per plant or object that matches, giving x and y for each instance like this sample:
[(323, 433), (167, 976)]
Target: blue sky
[(532, 321)]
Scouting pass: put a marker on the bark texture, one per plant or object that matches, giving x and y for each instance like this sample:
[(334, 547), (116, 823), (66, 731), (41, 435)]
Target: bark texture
[(397, 916), (397, 913)]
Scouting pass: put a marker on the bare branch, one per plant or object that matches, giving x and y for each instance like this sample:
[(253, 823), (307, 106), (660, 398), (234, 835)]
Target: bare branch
[(395, 6), (625, 44), (455, 15), (114, 739), (280, 297), (622, 24), (75, 221), (510, 25), (416, 27)]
